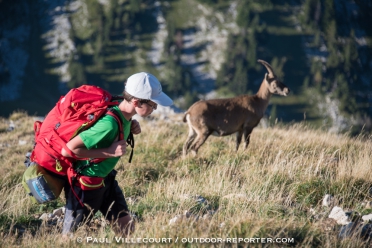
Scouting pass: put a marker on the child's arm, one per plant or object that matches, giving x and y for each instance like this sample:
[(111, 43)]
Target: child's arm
[(77, 146)]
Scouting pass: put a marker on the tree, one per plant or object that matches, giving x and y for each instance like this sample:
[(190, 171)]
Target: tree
[(328, 15), (240, 81), (350, 52), (243, 16), (273, 115), (77, 74)]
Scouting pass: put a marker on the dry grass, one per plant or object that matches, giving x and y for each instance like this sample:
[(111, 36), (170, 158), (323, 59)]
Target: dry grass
[(263, 192)]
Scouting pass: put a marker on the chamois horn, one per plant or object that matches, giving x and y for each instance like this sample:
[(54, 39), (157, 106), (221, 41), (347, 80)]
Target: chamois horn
[(268, 67)]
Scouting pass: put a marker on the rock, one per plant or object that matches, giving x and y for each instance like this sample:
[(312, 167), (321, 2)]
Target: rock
[(45, 216), (339, 215), (370, 191), (22, 142), (355, 229), (200, 199), (59, 211), (328, 200), (367, 217), (187, 214)]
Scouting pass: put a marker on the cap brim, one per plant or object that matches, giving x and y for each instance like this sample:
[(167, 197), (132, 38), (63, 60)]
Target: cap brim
[(162, 99)]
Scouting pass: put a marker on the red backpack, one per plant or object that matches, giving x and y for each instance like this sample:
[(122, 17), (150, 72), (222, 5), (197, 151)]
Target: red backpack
[(78, 110)]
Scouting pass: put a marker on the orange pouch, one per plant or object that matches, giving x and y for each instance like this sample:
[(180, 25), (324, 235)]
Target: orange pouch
[(90, 183)]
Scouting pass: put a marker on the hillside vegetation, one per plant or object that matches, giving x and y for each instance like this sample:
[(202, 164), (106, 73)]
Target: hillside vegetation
[(271, 190), (197, 48)]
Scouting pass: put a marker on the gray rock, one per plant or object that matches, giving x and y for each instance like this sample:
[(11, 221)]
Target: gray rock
[(356, 230), (339, 215), (59, 211), (367, 218), (44, 217), (328, 200)]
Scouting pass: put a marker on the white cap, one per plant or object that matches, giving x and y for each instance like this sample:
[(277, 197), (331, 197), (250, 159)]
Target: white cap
[(146, 86)]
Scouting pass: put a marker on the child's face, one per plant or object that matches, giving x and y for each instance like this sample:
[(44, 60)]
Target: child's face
[(144, 109)]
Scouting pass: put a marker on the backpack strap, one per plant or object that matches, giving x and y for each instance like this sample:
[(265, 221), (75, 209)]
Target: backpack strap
[(112, 113), (130, 139)]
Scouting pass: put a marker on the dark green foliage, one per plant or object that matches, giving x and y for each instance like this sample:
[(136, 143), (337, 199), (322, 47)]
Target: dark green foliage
[(346, 103), (216, 3), (328, 14), (242, 51), (273, 115), (350, 53), (311, 192), (22, 222), (47, 207), (339, 76), (349, 190), (77, 73), (189, 99), (234, 72), (312, 13), (243, 17)]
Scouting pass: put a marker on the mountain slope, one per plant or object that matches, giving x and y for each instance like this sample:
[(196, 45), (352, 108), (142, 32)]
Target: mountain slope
[(198, 49)]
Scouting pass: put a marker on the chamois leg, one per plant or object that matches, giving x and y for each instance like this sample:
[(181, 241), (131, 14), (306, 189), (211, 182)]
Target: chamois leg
[(239, 135), (247, 137), (190, 138), (199, 141)]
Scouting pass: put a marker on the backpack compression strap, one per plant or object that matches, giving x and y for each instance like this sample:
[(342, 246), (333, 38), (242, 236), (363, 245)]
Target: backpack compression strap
[(130, 139)]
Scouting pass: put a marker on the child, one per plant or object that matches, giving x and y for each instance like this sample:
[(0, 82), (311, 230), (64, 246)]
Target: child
[(142, 94)]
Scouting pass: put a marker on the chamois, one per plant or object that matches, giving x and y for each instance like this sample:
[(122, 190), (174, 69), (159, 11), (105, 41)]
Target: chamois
[(240, 114)]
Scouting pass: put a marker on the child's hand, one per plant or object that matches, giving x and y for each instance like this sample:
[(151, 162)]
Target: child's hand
[(118, 148), (135, 127)]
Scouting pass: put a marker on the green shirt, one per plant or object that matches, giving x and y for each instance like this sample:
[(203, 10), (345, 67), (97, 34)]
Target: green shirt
[(101, 135)]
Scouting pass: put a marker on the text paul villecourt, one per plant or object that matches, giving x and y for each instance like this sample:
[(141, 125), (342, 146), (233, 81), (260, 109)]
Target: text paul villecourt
[(151, 240)]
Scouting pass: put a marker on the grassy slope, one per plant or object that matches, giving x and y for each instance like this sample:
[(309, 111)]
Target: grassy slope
[(264, 192)]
